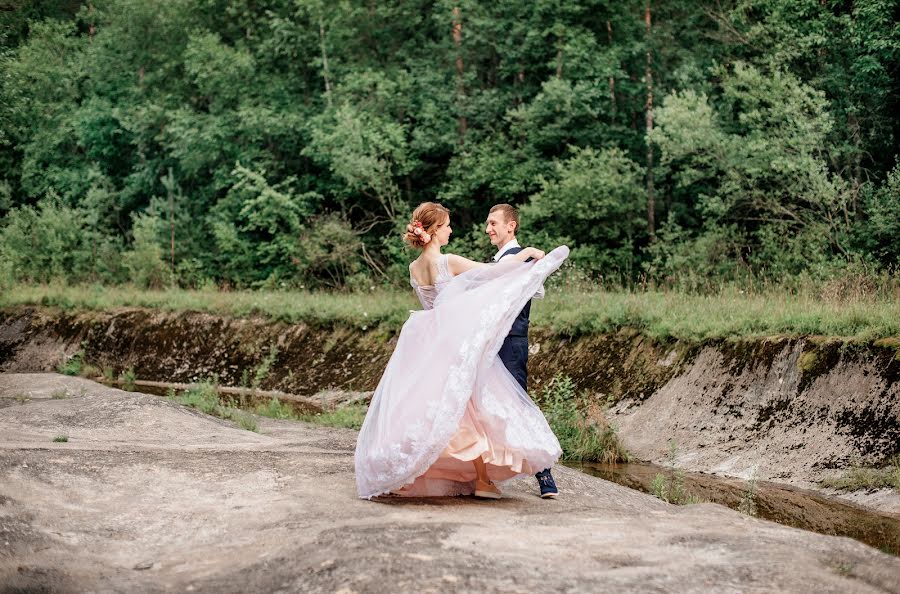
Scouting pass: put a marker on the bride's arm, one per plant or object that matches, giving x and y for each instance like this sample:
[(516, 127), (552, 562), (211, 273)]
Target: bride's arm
[(458, 264), (529, 252)]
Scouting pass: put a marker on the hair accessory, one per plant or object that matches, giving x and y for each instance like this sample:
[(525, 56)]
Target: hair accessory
[(417, 229)]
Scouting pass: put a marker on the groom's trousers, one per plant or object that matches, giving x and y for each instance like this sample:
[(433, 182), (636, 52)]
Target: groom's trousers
[(514, 354)]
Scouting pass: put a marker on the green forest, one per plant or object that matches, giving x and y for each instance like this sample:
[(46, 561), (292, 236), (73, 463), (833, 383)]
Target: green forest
[(283, 143)]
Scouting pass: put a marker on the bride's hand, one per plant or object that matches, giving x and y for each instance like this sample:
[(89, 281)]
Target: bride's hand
[(529, 253)]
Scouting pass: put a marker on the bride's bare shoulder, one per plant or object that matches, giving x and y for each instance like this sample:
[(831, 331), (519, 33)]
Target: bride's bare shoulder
[(460, 264), (421, 270)]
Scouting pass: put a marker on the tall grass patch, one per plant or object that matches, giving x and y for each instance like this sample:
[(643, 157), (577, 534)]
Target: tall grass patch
[(859, 478), (670, 485), (350, 416), (723, 312), (205, 398)]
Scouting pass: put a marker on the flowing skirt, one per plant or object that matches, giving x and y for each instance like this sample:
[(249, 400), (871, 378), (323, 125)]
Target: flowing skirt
[(445, 398)]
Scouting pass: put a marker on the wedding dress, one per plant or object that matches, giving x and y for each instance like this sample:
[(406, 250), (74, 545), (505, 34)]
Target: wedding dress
[(445, 398)]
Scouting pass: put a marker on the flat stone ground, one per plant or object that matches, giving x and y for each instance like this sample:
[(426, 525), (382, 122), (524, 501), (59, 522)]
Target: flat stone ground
[(149, 496)]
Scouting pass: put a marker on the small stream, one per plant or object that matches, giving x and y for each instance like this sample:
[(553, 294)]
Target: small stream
[(790, 506)]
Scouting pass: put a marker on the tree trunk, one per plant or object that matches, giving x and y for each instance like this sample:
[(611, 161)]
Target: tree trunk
[(325, 73), (170, 187), (92, 29), (612, 80), (460, 86), (519, 83), (559, 55), (648, 73), (853, 126)]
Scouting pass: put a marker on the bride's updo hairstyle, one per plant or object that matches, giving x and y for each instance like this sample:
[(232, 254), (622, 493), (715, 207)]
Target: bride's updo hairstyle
[(425, 219)]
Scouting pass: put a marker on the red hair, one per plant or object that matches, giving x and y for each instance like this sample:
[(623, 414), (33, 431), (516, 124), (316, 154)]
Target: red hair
[(425, 219)]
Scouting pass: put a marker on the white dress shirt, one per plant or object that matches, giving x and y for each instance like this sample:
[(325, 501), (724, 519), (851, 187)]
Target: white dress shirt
[(508, 246)]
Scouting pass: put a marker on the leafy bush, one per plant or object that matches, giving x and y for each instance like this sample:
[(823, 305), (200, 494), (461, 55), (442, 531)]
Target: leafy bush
[(581, 438), (145, 260), (257, 228), (594, 204)]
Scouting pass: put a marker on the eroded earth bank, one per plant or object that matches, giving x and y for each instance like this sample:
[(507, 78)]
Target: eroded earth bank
[(793, 410)]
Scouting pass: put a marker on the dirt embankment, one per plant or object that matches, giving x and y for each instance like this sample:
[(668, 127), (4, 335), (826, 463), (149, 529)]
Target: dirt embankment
[(789, 409), (149, 496)]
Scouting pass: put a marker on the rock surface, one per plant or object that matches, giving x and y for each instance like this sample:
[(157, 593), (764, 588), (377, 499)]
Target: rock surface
[(148, 496)]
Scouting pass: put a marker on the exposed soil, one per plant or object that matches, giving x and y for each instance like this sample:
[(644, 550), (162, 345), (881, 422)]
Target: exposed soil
[(770, 414), (148, 496)]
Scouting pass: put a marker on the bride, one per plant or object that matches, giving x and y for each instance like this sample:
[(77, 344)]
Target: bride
[(447, 418)]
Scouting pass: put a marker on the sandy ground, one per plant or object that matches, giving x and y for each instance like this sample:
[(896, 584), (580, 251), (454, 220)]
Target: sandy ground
[(148, 496)]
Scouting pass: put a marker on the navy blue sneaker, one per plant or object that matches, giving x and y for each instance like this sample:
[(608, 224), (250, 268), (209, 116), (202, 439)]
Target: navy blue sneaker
[(547, 484)]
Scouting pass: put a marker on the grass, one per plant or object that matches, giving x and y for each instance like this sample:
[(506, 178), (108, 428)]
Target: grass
[(381, 308), (275, 409), (843, 568), (350, 416), (859, 478), (748, 498), (581, 438), (670, 486), (76, 365), (60, 394), (728, 312), (72, 365), (127, 378), (61, 439), (205, 398), (265, 366)]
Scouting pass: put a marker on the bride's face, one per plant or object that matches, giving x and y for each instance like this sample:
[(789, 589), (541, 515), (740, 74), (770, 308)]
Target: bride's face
[(442, 232)]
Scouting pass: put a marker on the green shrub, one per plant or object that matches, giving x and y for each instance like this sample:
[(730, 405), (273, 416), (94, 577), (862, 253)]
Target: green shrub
[(73, 365), (580, 438)]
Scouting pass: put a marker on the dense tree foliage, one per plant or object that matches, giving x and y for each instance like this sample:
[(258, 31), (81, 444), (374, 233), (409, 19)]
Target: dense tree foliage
[(283, 142)]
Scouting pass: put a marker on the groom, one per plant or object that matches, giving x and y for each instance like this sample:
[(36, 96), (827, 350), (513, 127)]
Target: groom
[(502, 224)]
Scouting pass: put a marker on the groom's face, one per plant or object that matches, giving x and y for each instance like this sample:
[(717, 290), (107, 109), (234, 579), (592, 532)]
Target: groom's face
[(499, 230)]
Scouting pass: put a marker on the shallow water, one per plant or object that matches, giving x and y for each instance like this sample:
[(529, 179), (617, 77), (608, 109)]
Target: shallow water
[(790, 506)]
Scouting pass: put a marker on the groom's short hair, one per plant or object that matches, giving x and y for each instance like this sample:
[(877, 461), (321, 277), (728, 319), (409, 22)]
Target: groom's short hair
[(510, 213)]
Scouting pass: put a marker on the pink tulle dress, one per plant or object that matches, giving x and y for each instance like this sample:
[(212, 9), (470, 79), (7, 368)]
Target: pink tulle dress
[(445, 398)]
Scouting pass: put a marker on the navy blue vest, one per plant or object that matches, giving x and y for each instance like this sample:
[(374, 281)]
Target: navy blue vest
[(520, 326)]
